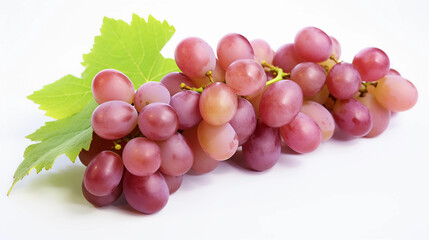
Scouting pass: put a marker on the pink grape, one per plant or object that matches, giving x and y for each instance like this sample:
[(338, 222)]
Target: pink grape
[(245, 77), (286, 57), (380, 115), (396, 93), (203, 163), (103, 174), (321, 116), (173, 182), (218, 73), (232, 47), (302, 134), (310, 77), (101, 201), (110, 84), (146, 194), (343, 81), (158, 121), (173, 80), (186, 104), (219, 142), (114, 119), (141, 156), (262, 50), (151, 92), (313, 45), (352, 117), (176, 155), (372, 64), (194, 57), (244, 120), (218, 104), (280, 103), (263, 148)]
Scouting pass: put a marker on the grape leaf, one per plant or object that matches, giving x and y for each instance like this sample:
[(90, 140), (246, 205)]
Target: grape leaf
[(133, 49)]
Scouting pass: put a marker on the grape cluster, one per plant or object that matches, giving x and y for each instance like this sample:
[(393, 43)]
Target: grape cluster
[(246, 96)]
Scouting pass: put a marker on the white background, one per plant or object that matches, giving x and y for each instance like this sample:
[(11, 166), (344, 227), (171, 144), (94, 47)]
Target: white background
[(347, 189)]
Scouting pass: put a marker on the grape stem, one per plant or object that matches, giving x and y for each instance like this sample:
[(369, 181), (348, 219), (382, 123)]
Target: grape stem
[(277, 71), (364, 87), (332, 57), (209, 74)]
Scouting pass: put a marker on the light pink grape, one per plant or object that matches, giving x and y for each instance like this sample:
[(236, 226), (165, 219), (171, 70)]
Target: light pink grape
[(218, 104), (232, 47), (310, 77), (110, 84), (313, 45), (141, 156), (114, 119), (302, 134), (194, 57), (372, 64), (262, 50), (396, 93), (245, 77), (380, 115), (280, 103), (151, 92), (219, 142), (176, 155), (321, 116)]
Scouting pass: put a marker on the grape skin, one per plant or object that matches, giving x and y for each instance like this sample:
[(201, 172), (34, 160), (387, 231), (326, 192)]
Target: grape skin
[(313, 45), (343, 80), (110, 84), (396, 93), (176, 155), (321, 116), (372, 64), (101, 201), (352, 117), (151, 92), (244, 120), (310, 77), (146, 194), (245, 77), (286, 57), (141, 156), (186, 104), (103, 174), (114, 119), (380, 115), (232, 47), (158, 121), (173, 80)]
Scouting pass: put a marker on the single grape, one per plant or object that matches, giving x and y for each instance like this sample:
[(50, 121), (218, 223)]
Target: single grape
[(176, 155), (101, 201), (110, 84), (173, 80), (263, 148), (302, 134), (219, 142), (321, 116), (245, 77), (286, 57), (313, 45), (218, 104), (396, 93), (262, 50), (173, 182), (372, 64), (244, 121), (203, 163), (232, 47), (158, 121), (146, 194), (114, 119), (186, 104), (380, 115), (343, 81), (310, 77), (151, 92), (141, 156), (352, 117), (280, 103), (103, 174), (98, 145), (194, 57)]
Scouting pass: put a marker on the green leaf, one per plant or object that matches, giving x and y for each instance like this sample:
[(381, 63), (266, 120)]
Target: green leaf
[(133, 49), (65, 136)]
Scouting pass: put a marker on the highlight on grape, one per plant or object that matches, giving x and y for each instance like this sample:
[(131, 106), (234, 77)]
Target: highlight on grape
[(245, 97)]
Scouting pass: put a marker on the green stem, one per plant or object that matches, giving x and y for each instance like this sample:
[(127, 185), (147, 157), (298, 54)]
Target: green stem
[(277, 71)]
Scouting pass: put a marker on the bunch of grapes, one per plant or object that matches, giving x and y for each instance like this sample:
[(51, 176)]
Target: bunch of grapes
[(245, 97)]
